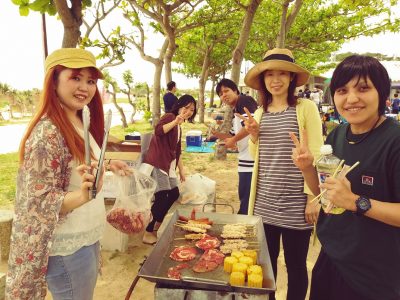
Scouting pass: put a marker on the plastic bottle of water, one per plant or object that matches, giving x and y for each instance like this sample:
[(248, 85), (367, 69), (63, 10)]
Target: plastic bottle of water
[(326, 166)]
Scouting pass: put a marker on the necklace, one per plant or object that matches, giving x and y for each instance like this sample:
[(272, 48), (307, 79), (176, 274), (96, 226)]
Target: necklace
[(365, 135)]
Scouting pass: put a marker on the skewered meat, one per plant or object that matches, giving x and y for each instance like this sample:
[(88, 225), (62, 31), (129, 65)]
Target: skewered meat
[(209, 261), (175, 272), (194, 236), (193, 229), (183, 253), (208, 242), (194, 223)]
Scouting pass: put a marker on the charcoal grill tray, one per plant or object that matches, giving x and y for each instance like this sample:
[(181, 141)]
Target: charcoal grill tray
[(158, 262)]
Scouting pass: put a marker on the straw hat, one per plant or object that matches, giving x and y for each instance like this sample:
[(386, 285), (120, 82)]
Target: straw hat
[(276, 59), (73, 58)]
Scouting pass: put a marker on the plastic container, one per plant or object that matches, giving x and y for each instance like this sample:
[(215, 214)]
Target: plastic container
[(326, 166), (193, 138)]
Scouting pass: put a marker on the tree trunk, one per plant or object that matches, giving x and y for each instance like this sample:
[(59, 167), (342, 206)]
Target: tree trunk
[(71, 17), (280, 41), (119, 108), (212, 93), (156, 109), (202, 84), (148, 97), (168, 61), (237, 55)]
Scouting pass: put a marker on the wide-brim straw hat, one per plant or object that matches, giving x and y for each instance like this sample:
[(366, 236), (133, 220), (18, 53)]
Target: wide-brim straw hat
[(276, 59), (73, 58)]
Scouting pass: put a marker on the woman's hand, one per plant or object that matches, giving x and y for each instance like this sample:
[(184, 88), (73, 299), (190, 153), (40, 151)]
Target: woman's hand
[(119, 167), (250, 124), (301, 154), (338, 192), (88, 180), (179, 120), (182, 175)]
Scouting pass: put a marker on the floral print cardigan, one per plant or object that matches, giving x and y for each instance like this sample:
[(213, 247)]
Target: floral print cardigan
[(41, 187)]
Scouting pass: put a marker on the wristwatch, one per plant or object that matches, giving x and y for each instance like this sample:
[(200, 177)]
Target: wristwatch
[(363, 204)]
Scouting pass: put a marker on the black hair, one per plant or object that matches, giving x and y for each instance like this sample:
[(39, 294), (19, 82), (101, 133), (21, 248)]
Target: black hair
[(265, 97), (396, 95), (171, 85), (183, 101), (228, 84), (361, 66)]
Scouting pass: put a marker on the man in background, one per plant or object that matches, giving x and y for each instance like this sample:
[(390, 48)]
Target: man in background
[(395, 104), (229, 94), (169, 97)]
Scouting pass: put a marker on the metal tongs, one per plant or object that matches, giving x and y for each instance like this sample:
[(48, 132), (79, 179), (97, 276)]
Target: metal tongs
[(107, 125)]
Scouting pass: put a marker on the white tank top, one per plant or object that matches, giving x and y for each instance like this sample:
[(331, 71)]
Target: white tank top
[(83, 226)]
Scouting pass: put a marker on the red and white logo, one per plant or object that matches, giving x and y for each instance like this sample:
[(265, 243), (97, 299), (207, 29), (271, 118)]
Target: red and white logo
[(367, 180)]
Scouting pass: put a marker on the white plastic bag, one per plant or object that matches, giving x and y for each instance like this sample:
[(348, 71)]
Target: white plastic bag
[(197, 189), (131, 211)]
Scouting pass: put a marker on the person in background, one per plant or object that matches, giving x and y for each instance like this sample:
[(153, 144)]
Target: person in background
[(229, 94), (279, 194), (395, 104), (169, 98), (161, 160), (57, 226), (300, 94), (315, 96), (361, 246)]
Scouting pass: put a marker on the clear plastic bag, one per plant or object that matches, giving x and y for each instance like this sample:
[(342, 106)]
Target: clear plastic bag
[(131, 211), (197, 189)]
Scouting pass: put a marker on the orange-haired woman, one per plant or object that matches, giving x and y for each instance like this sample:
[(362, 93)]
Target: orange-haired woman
[(57, 227)]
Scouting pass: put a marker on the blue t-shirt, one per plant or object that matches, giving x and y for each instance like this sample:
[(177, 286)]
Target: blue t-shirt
[(169, 101)]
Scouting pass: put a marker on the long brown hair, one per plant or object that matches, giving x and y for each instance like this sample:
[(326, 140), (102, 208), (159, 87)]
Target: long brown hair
[(265, 97), (50, 106)]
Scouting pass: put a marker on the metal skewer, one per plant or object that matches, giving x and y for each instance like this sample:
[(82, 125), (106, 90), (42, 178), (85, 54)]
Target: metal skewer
[(86, 138), (107, 125)]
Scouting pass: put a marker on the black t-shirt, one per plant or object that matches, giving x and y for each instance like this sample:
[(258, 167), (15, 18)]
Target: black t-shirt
[(365, 251), (169, 101)]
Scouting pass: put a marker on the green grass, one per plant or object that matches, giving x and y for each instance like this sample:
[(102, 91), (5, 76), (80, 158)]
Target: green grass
[(140, 126), (8, 179)]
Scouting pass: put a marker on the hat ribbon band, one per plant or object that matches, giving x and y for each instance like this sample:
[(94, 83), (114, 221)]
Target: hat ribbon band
[(279, 57)]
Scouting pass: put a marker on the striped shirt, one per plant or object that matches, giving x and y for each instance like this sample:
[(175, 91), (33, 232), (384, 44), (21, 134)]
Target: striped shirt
[(280, 199)]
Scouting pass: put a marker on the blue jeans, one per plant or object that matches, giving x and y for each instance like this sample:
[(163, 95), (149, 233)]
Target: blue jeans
[(73, 277), (244, 191)]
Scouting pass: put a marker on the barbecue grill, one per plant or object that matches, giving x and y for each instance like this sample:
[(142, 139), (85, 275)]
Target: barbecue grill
[(209, 285)]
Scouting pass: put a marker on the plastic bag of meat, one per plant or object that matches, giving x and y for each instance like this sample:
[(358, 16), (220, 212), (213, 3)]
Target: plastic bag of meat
[(131, 211)]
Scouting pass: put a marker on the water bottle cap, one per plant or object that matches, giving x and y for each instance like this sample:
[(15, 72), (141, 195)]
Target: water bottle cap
[(326, 149)]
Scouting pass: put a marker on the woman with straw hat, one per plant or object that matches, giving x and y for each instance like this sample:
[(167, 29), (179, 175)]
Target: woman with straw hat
[(57, 226), (278, 192)]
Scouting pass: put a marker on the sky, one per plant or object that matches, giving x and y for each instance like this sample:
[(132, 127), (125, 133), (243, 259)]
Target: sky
[(22, 57)]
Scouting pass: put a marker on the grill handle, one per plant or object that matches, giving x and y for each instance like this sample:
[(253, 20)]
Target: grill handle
[(205, 280)]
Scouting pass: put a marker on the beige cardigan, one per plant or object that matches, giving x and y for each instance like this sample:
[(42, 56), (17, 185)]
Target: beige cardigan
[(307, 118)]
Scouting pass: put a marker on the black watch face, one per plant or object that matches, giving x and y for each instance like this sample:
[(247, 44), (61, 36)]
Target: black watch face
[(363, 204)]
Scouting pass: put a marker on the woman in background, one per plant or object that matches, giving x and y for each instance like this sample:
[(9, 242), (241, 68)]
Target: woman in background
[(162, 158)]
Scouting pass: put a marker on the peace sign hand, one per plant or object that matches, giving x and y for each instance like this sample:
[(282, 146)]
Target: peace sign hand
[(250, 124), (301, 154)]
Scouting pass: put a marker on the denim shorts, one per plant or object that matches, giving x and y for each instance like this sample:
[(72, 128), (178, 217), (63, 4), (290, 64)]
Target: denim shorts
[(73, 277)]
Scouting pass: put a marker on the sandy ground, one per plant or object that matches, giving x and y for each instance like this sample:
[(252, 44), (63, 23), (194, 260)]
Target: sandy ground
[(119, 269)]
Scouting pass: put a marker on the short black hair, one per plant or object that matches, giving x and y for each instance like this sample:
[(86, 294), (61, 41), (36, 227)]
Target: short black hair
[(228, 84), (396, 95), (362, 66), (183, 101), (171, 85)]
